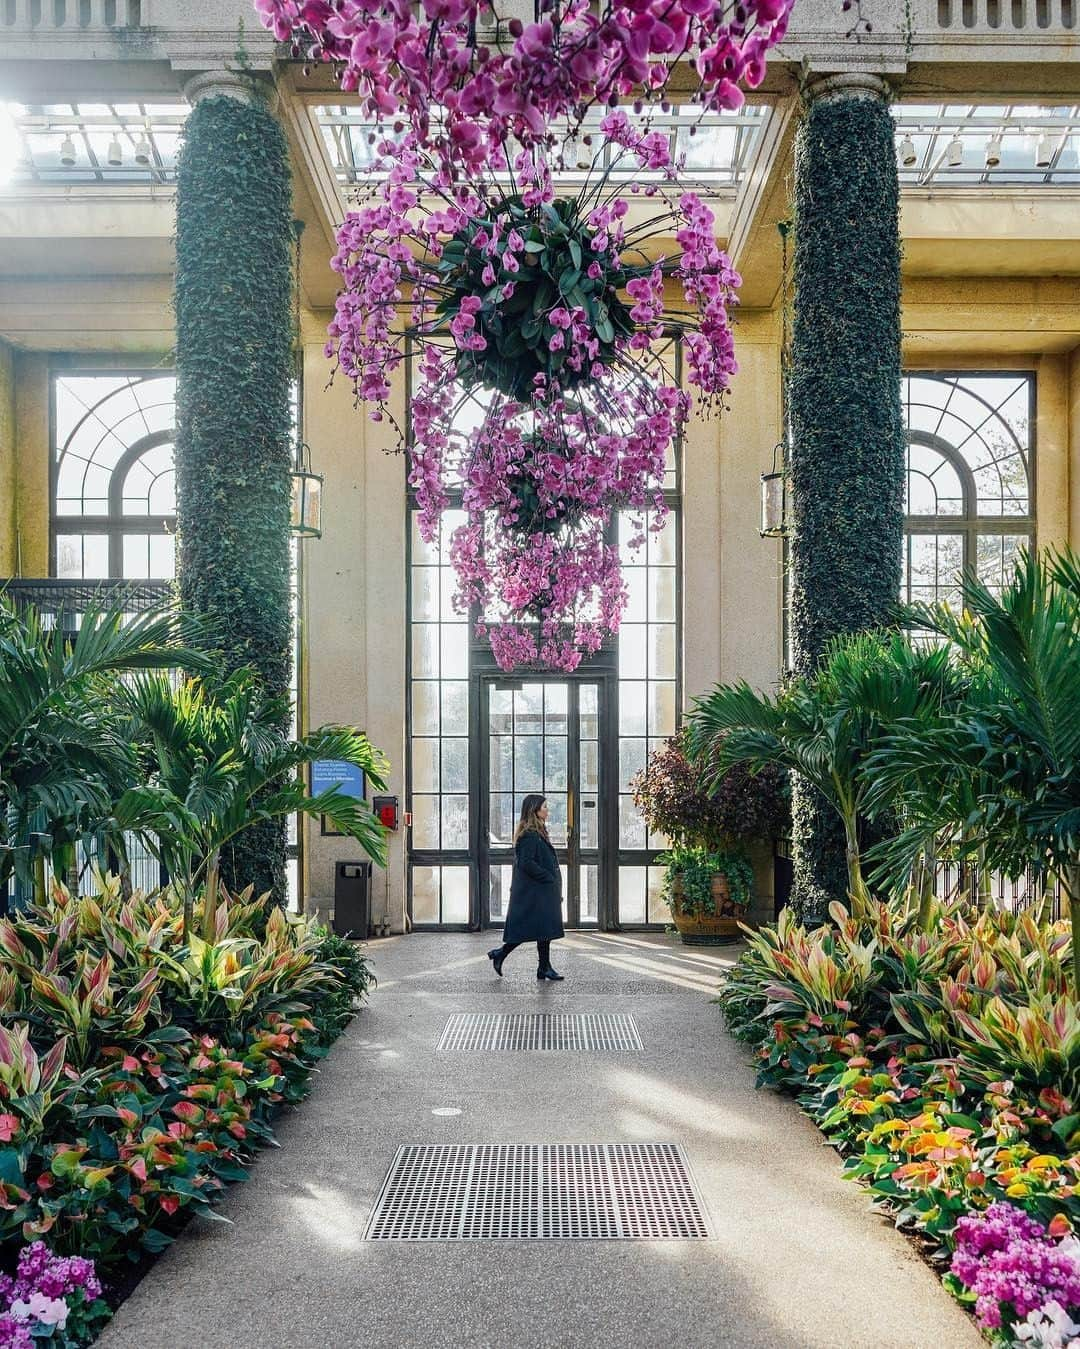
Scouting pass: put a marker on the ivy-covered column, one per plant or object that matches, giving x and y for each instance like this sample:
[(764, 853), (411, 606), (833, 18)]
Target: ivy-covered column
[(234, 370), (847, 452)]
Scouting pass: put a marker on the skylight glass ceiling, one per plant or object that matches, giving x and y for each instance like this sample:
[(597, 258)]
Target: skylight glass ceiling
[(717, 146), (71, 143), (959, 145)]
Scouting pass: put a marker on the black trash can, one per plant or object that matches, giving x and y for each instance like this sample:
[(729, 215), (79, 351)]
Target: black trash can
[(352, 899)]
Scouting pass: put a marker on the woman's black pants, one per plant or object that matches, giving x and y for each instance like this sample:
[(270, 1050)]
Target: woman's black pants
[(543, 951)]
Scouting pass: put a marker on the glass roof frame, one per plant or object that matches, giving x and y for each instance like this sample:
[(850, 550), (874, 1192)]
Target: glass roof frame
[(35, 133), (344, 130), (1014, 130)]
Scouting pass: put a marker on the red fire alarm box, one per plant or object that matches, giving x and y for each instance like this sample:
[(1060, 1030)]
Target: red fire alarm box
[(386, 809)]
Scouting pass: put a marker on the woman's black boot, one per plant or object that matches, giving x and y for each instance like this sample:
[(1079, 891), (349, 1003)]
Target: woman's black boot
[(497, 957), (549, 973)]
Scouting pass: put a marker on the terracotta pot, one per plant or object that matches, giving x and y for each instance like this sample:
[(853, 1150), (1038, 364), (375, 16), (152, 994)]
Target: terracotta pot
[(708, 929)]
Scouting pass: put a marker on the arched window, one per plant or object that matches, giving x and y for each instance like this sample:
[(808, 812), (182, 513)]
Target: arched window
[(114, 499), (969, 500)]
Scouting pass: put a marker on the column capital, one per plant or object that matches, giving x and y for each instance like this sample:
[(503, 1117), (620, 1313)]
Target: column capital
[(829, 88), (220, 83)]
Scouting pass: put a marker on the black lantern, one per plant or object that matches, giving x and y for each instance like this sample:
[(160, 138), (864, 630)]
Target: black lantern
[(306, 518), (774, 498)]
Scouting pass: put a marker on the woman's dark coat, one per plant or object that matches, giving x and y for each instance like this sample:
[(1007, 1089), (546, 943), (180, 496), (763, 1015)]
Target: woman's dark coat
[(535, 909)]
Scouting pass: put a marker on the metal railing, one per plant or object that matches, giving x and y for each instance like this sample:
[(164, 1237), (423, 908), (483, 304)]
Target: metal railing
[(70, 15), (1005, 16), (53, 597)]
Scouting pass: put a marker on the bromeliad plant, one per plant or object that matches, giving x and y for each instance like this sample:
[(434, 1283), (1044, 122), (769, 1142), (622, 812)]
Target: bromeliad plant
[(541, 395), (468, 81)]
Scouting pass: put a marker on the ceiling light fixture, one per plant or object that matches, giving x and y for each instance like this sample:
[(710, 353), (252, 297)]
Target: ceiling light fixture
[(954, 153), (1044, 151), (143, 152), (993, 151), (67, 152), (907, 152), (116, 153)]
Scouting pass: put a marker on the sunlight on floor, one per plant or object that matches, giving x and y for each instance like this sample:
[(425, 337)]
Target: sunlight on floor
[(330, 1217)]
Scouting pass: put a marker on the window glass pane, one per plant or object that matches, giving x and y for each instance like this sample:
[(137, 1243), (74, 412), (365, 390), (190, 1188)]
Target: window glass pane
[(503, 819), (501, 769), (455, 653), (555, 763), (499, 892), (661, 595), (162, 557), (632, 702), (659, 909), (455, 894), (662, 651), (425, 894), (425, 651), (69, 555), (455, 823), (632, 651), (529, 763), (501, 707), (425, 593), (590, 893), (455, 707), (455, 765), (425, 828), (632, 894), (662, 708), (136, 556), (631, 760), (425, 707), (969, 457), (425, 765), (631, 828), (106, 468)]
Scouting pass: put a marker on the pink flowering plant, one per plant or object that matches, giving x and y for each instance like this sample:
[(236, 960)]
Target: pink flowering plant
[(1023, 1277), (543, 397), (468, 80), (50, 1299)]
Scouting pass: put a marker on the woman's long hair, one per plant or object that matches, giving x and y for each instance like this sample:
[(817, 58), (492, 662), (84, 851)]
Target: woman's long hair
[(529, 818)]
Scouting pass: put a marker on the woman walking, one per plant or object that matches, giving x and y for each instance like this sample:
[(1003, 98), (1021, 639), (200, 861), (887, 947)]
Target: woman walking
[(535, 909)]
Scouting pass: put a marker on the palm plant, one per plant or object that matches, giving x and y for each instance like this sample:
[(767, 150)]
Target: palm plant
[(824, 726), (217, 761), (1019, 737), (63, 755)]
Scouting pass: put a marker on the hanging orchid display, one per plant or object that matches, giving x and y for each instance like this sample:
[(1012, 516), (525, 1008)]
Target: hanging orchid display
[(467, 81), (547, 315)]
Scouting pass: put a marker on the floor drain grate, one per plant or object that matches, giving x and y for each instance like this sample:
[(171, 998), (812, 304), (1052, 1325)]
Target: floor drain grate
[(473, 1031), (492, 1191)]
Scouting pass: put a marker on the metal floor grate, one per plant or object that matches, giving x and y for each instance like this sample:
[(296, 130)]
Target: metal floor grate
[(473, 1031), (492, 1191)]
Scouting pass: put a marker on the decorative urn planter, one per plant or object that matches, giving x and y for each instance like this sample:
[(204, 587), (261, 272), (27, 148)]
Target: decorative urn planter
[(696, 926)]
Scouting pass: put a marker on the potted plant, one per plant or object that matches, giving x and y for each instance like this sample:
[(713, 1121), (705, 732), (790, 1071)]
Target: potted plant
[(709, 879)]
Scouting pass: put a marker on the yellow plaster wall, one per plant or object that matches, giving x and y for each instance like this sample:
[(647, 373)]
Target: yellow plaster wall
[(354, 597), (32, 431), (8, 478), (1074, 448)]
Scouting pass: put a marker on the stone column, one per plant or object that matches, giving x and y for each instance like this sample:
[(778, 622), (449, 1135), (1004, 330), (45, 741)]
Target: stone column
[(847, 452), (234, 370)]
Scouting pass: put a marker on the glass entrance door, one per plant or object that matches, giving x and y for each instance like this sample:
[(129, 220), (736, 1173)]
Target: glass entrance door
[(544, 736)]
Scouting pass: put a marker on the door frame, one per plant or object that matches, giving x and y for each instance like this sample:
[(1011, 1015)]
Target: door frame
[(606, 681)]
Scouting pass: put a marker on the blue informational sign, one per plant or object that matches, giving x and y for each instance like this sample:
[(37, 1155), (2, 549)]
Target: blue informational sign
[(339, 775)]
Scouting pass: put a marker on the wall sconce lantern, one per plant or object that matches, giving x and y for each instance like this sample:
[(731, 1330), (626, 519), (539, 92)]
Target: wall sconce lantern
[(774, 498), (306, 518)]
